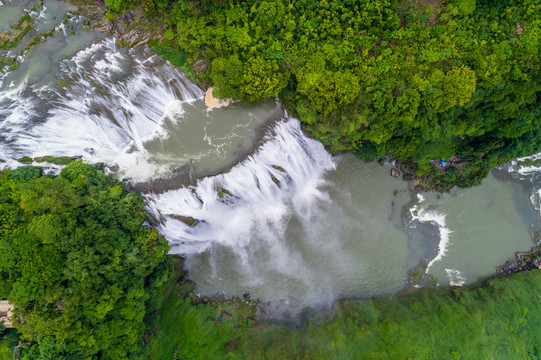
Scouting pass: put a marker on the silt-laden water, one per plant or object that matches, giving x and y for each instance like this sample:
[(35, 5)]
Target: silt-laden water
[(290, 224)]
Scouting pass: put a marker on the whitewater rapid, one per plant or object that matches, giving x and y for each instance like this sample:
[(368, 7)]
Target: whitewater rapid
[(282, 177), (105, 107), (424, 215), (290, 224), (528, 169)]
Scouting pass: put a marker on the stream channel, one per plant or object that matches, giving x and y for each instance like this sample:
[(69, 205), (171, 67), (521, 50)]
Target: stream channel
[(275, 215)]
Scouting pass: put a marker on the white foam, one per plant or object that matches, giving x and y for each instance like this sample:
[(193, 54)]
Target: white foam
[(113, 105), (438, 219), (531, 173), (456, 278), (257, 201)]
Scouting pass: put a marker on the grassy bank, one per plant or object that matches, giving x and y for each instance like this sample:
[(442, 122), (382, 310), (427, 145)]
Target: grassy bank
[(193, 328), (495, 320)]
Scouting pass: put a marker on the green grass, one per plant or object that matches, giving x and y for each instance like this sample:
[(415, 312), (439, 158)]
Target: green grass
[(25, 160), (222, 192), (196, 331), (58, 160), (497, 320)]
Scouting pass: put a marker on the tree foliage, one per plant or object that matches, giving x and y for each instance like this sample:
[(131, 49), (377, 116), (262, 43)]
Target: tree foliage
[(418, 80), (76, 260)]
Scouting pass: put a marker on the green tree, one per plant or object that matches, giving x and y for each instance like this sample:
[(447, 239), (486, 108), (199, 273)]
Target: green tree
[(77, 262), (416, 80), (261, 78), (226, 76)]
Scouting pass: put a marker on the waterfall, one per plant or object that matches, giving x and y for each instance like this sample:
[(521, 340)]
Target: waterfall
[(528, 168), (252, 200), (255, 225), (106, 105)]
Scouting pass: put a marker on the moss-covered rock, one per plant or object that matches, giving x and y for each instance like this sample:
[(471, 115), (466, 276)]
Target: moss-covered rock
[(188, 220), (58, 160), (25, 160)]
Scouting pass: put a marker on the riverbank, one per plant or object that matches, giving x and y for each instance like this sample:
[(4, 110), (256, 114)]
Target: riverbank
[(347, 116), (524, 261), (132, 28), (499, 316)]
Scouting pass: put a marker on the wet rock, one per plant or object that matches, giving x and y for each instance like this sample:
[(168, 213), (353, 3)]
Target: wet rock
[(408, 177), (395, 173), (200, 66), (188, 220), (6, 313), (131, 28)]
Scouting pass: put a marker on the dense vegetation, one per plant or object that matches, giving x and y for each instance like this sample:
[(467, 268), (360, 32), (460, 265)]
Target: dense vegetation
[(406, 79), (416, 79), (498, 320), (83, 272)]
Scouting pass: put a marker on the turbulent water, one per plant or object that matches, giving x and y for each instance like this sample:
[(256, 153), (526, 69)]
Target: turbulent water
[(80, 95), (288, 225), (528, 169), (280, 218)]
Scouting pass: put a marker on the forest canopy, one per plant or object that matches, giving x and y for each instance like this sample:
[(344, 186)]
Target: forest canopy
[(415, 79), (83, 272)]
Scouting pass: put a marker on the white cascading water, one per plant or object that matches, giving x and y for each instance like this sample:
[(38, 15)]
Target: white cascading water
[(106, 106), (436, 218), (281, 178), (529, 168), (247, 212)]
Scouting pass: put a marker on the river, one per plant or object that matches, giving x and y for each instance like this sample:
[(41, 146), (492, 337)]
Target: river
[(275, 215)]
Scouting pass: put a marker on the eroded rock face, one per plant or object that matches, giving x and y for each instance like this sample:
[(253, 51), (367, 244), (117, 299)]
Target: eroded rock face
[(131, 28), (214, 103)]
